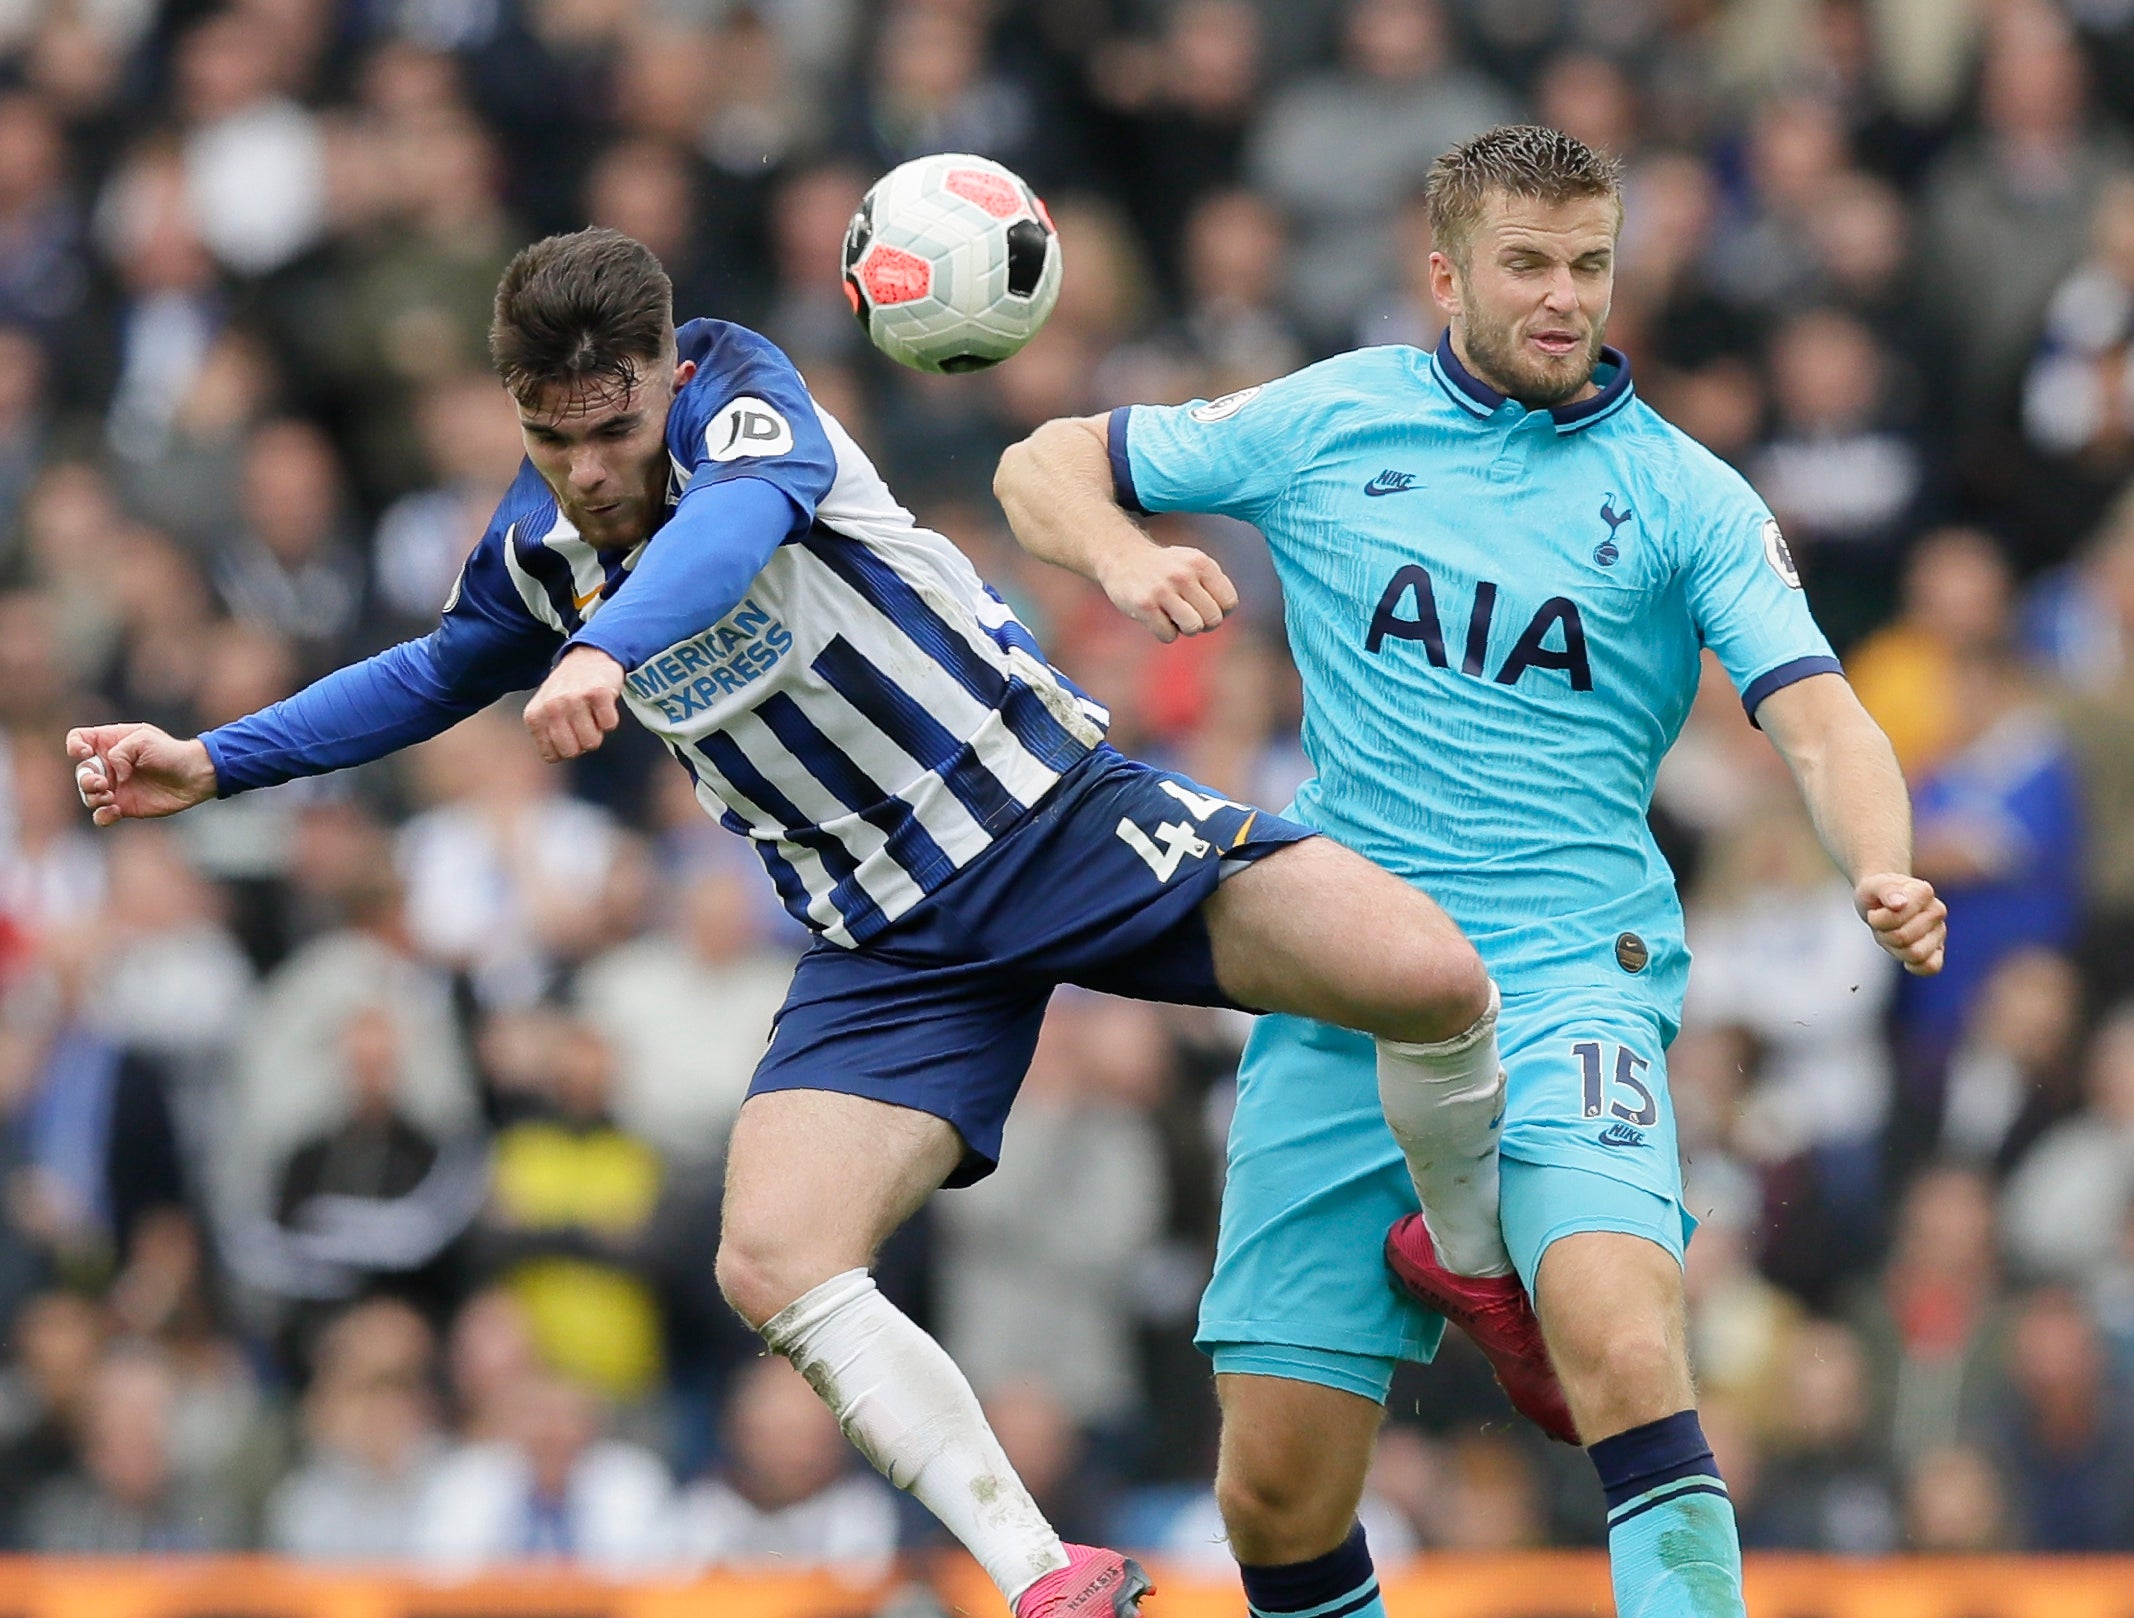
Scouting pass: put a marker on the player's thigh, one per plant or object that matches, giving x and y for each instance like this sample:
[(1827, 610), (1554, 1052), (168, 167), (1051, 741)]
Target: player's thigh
[(1292, 1466), (1317, 930), (816, 1181), (1611, 1308)]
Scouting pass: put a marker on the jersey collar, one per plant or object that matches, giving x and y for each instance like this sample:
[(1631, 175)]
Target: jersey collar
[(1479, 399)]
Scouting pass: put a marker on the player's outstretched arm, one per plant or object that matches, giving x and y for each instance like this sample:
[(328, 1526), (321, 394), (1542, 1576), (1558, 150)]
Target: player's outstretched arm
[(137, 772), (1855, 792), (1056, 489)]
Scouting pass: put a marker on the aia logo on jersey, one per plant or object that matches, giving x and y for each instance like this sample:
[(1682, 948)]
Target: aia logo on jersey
[(1606, 553), (1408, 610)]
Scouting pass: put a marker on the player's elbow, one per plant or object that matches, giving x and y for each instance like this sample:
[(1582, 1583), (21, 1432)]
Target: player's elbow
[(1010, 475)]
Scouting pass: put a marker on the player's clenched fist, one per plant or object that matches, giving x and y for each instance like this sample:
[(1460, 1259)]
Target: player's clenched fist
[(1908, 920), (137, 772), (577, 705), (1170, 590)]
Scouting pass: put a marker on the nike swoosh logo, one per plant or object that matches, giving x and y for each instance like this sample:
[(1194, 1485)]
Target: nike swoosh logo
[(1378, 487), (580, 603)]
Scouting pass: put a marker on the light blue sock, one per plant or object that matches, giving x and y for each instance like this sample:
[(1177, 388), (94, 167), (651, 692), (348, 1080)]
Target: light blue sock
[(1340, 1584), (1672, 1545)]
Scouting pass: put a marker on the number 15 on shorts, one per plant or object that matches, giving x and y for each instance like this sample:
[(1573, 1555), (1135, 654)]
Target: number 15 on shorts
[(1594, 1088)]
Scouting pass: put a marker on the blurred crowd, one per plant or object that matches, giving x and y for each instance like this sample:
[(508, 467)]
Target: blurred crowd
[(360, 1139)]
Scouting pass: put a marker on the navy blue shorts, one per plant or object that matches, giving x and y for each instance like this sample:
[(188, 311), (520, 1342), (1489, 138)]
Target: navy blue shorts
[(1101, 886)]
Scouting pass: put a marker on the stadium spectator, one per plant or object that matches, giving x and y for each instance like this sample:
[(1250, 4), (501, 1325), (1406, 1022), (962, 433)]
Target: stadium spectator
[(57, 1343), (1235, 250), (291, 565), (2012, 1074), (1826, 1486), (170, 306), (372, 1439), (1956, 1504), (470, 449), (25, 421), (1837, 471), (653, 997), (1932, 1324), (374, 1204), (789, 1492), (553, 1489), (126, 1496), (1744, 1331), (290, 1083), (44, 270), (254, 158), (1041, 1285), (1189, 99), (1780, 954), (1955, 604), (507, 874), (2069, 1200), (1797, 149), (1999, 833), (2067, 1439), (570, 1223), (489, 1356), (1338, 150), (2018, 194)]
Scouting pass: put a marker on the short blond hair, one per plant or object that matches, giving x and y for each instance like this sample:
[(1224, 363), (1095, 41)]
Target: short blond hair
[(1513, 160)]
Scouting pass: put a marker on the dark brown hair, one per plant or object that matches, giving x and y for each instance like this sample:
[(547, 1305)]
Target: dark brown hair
[(588, 311), (1513, 160)]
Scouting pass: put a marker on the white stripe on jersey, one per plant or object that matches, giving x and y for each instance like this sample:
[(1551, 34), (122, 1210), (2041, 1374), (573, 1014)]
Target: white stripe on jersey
[(880, 791)]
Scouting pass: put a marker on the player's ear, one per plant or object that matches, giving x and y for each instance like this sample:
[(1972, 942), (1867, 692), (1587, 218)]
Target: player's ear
[(1445, 282), (682, 373)]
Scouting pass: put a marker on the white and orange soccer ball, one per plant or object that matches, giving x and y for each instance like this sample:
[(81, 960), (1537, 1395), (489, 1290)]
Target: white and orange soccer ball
[(951, 263)]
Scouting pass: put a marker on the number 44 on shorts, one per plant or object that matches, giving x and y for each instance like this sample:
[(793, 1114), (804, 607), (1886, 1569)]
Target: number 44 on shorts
[(1174, 841)]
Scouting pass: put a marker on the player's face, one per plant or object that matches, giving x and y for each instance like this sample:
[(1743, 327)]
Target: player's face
[(1530, 305), (605, 454)]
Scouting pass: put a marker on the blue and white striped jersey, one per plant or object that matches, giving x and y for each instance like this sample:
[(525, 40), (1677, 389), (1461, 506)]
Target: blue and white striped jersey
[(868, 713)]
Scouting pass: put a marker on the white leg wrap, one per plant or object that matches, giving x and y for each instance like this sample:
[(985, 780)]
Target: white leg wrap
[(901, 1400), (1445, 1104)]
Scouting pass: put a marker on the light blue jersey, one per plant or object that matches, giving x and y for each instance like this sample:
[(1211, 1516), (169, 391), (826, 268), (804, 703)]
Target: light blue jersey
[(1497, 614)]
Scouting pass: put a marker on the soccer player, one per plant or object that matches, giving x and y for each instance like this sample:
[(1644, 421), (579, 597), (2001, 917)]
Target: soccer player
[(1499, 568), (691, 538)]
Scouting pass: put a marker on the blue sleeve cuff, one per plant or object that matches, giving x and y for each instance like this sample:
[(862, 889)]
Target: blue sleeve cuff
[(1122, 463), (214, 757), (1801, 668)]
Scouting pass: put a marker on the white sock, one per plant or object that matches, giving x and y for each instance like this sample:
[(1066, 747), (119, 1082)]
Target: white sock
[(901, 1400), (1445, 1103)]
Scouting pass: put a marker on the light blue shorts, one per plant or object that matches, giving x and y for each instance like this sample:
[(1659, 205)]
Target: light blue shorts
[(1315, 1178)]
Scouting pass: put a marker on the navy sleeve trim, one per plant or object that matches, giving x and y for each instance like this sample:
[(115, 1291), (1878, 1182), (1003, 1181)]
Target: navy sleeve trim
[(1801, 668), (1122, 464)]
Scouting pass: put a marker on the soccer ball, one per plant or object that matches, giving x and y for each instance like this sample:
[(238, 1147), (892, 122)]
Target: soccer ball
[(951, 263)]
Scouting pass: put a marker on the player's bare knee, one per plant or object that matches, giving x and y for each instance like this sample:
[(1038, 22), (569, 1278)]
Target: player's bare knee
[(1269, 1514), (1634, 1368), (1442, 991), (759, 1276)]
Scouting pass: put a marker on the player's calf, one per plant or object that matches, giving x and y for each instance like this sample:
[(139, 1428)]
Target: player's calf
[(1611, 1305)]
